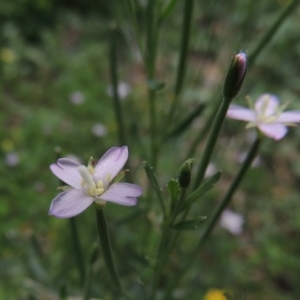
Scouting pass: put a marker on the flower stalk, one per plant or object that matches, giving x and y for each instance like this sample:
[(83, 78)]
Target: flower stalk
[(233, 82), (106, 250)]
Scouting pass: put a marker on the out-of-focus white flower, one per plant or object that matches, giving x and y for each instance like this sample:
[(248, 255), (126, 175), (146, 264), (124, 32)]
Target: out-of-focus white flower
[(99, 130), (210, 170), (123, 90), (267, 115), (92, 184), (12, 159), (240, 157), (232, 221), (77, 98)]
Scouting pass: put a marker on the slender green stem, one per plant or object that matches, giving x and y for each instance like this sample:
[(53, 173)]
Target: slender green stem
[(184, 45), (106, 250), (177, 206), (211, 141), (153, 128), (114, 81), (271, 32), (215, 216), (151, 39), (130, 7), (238, 178), (88, 282), (77, 250), (163, 249), (151, 44), (204, 130)]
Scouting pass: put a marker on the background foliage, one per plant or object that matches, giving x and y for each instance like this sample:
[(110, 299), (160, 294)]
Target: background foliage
[(54, 51)]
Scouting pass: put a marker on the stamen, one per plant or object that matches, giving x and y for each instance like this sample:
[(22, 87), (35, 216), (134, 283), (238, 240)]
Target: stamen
[(86, 176)]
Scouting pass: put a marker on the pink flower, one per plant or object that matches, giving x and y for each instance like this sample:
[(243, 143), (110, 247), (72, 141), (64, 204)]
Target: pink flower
[(267, 115), (92, 184)]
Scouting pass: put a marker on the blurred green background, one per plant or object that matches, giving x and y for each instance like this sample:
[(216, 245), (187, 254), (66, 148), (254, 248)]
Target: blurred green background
[(56, 102)]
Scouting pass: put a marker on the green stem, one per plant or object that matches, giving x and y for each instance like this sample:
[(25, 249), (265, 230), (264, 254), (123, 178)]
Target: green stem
[(184, 45), (271, 32), (177, 206), (211, 141), (151, 43), (153, 126), (204, 130), (77, 250), (164, 248), (114, 81), (106, 250), (215, 216), (88, 282)]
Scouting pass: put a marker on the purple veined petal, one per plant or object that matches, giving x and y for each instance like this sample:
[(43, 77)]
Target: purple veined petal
[(289, 117), (122, 193), (240, 113), (111, 163), (70, 203), (275, 131), (66, 170), (271, 103)]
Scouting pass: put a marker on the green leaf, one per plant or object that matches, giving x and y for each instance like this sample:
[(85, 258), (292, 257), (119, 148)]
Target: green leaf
[(120, 176), (154, 183), (186, 122), (173, 188), (65, 188), (167, 10), (206, 186), (189, 224)]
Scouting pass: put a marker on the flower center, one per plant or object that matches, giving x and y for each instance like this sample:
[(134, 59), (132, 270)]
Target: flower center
[(268, 111), (90, 186)]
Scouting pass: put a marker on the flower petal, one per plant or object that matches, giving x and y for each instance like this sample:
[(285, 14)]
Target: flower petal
[(275, 131), (66, 170), (240, 113), (111, 163), (122, 193), (267, 104), (289, 117), (70, 203)]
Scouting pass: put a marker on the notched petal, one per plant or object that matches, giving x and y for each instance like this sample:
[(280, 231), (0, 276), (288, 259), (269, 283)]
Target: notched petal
[(69, 204), (111, 163), (66, 170), (122, 193)]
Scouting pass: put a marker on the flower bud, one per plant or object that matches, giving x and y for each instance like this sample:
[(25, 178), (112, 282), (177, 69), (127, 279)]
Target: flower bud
[(185, 173), (235, 75)]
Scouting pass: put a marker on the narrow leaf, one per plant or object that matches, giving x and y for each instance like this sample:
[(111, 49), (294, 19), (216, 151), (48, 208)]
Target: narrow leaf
[(190, 224), (153, 180), (167, 10), (173, 188), (186, 122), (206, 186)]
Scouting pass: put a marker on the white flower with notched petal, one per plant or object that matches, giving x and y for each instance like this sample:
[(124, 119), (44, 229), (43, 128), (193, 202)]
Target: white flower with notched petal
[(267, 115), (92, 184)]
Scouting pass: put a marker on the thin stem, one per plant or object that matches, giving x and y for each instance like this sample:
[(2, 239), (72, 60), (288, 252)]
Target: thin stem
[(88, 282), (164, 248), (184, 45), (106, 250), (151, 43), (204, 130), (215, 215), (114, 81), (77, 250), (271, 32), (211, 141)]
